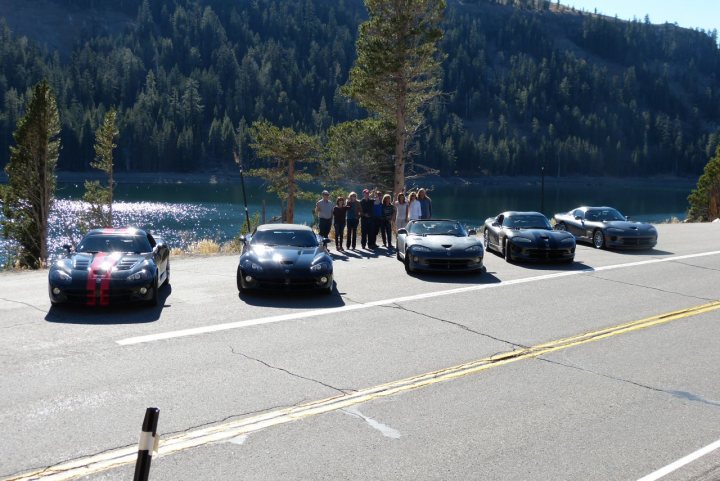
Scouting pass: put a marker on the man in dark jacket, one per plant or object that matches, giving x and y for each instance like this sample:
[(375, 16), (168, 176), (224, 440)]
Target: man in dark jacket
[(366, 221)]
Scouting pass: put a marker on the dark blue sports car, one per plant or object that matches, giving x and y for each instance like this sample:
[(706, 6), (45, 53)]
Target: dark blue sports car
[(527, 236), (111, 265), (285, 256)]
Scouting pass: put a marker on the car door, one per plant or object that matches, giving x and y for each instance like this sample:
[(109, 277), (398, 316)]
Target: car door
[(496, 231), (576, 223)]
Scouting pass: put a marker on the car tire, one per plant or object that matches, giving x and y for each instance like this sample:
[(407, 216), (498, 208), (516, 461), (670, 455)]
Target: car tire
[(561, 226), (598, 239), (167, 274), (506, 252), (240, 287), (153, 301), (486, 239), (408, 269)]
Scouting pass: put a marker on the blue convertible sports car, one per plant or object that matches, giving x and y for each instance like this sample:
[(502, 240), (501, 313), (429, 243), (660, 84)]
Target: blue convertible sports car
[(284, 256)]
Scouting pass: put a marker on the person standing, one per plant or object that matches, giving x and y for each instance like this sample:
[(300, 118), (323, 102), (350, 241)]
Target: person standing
[(401, 211), (414, 209), (425, 204), (339, 212), (388, 215), (366, 223), (324, 212), (354, 214), (377, 219)]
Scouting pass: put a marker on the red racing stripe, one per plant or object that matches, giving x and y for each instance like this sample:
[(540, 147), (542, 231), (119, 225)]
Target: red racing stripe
[(110, 262), (92, 274)]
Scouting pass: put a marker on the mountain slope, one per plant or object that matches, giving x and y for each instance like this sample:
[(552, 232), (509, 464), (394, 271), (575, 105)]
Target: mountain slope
[(527, 84)]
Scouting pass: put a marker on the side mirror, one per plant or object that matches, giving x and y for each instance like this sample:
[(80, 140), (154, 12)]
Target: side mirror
[(577, 217), (627, 217), (402, 231), (325, 241), (496, 224), (160, 243), (242, 239), (68, 248), (472, 232)]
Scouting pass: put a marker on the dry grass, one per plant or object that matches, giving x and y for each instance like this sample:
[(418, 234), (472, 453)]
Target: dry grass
[(207, 247)]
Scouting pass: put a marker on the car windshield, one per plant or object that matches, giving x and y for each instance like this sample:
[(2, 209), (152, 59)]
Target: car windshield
[(526, 221), (285, 237), (114, 243), (603, 215), (434, 227)]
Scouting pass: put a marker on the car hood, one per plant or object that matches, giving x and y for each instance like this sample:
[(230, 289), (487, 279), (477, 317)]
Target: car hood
[(629, 226), (540, 235), (443, 242), (297, 257), (102, 262)]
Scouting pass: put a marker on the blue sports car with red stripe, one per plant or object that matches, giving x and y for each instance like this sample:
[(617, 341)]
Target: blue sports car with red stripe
[(111, 266)]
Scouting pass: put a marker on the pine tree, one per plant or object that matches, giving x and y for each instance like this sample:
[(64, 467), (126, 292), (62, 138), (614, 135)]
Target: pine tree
[(28, 197), (286, 149), (705, 198), (100, 197), (398, 68)]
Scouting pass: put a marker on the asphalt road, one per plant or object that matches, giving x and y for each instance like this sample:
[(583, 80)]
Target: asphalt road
[(391, 377)]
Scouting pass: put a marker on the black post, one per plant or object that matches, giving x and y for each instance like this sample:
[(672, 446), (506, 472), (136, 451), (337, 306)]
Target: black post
[(542, 189), (147, 444), (242, 184)]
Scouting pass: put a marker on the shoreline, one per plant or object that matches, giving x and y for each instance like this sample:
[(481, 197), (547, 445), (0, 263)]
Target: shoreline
[(444, 181)]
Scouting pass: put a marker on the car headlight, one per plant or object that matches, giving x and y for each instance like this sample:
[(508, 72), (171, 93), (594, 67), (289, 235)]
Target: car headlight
[(320, 267), (139, 276), (249, 265), (473, 249), (420, 249), (652, 230), (568, 241), (521, 240), (614, 230), (58, 275)]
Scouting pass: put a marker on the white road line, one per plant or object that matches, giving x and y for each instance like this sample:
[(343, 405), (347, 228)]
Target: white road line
[(660, 473), (355, 307)]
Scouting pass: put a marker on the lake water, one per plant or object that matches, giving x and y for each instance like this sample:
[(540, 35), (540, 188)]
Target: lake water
[(183, 213)]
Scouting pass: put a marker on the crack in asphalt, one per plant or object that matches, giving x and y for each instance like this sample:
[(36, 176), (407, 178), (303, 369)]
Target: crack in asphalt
[(674, 393), (456, 324), (690, 296), (299, 376), (23, 303), (696, 266)]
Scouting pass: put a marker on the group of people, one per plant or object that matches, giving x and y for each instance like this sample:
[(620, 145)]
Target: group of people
[(374, 214)]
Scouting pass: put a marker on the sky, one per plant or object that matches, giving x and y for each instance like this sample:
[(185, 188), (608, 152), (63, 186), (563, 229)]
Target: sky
[(704, 14)]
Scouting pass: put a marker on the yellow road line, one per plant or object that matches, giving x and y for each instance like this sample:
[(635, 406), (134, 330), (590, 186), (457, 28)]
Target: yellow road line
[(229, 430)]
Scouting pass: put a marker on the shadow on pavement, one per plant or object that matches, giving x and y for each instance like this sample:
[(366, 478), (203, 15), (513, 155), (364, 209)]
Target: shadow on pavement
[(465, 278), (641, 253), (553, 266), (123, 314), (293, 299)]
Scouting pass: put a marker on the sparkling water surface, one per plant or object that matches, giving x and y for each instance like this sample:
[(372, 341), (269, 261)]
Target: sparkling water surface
[(184, 213)]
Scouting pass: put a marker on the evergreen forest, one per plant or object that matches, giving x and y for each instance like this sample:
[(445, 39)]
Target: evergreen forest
[(527, 83)]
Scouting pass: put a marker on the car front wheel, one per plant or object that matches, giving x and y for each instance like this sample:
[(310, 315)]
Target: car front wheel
[(486, 239), (599, 239), (506, 252), (408, 269)]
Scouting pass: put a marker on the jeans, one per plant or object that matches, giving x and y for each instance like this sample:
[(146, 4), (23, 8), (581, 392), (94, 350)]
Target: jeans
[(367, 229), (386, 232), (339, 230), (324, 227), (352, 226)]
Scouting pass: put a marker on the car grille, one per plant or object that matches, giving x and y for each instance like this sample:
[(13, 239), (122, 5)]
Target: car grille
[(637, 241), (448, 264), (547, 254), (287, 284)]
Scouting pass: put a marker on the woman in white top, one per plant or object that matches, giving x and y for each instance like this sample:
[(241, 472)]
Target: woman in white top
[(414, 209), (401, 211)]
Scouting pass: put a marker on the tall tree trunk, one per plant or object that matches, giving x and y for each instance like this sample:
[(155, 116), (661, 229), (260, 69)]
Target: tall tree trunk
[(400, 136), (291, 192)]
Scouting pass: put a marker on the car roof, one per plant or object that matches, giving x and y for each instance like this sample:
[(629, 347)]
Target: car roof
[(297, 227), (433, 220), (117, 231), (587, 208)]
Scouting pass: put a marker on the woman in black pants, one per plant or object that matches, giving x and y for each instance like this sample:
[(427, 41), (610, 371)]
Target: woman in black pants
[(339, 221)]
